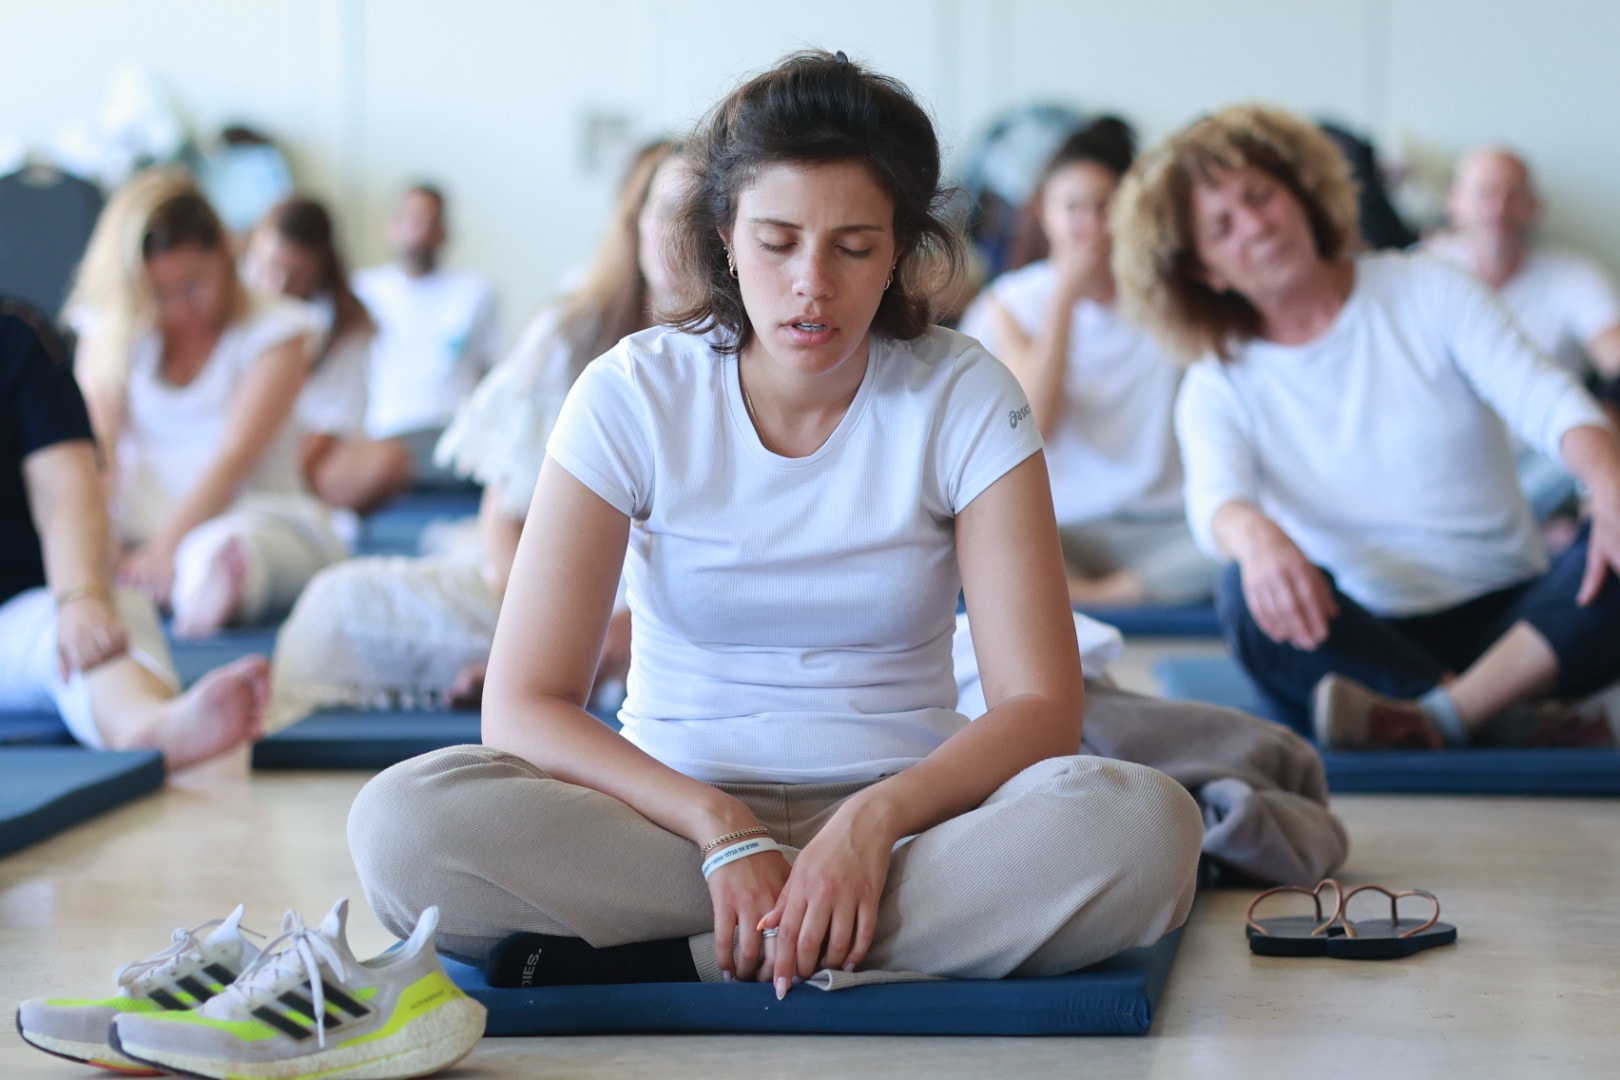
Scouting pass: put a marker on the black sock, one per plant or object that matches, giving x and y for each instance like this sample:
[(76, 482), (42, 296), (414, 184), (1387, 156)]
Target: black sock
[(547, 960)]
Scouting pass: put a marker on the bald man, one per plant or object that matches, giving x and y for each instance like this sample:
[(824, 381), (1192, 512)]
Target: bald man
[(1565, 303)]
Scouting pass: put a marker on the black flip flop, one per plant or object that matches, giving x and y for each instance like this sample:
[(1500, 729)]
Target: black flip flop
[(1295, 935), (1375, 939)]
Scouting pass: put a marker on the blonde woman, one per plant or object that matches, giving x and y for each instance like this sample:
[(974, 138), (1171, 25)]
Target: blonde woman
[(418, 631), (191, 385)]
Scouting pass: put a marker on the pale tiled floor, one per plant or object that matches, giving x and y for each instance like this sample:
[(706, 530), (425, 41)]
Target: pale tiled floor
[(1531, 990)]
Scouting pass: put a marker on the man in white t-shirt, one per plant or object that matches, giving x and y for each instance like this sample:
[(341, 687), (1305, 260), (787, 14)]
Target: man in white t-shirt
[(1565, 303), (436, 328)]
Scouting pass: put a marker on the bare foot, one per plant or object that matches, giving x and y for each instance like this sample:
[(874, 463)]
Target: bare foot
[(223, 710), (216, 601)]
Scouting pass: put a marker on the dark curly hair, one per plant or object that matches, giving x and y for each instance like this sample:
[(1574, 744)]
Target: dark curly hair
[(812, 108)]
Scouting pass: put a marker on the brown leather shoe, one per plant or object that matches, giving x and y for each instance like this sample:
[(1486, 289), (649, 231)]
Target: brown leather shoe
[(1348, 716)]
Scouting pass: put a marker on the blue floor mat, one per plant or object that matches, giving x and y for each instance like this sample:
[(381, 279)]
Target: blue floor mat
[(196, 657), (1119, 996), (46, 789), (364, 739), (1178, 620), (32, 729), (371, 738), (396, 529), (1530, 771)]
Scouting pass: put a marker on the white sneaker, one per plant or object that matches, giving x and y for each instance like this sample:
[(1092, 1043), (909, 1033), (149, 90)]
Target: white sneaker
[(186, 974), (395, 1016)]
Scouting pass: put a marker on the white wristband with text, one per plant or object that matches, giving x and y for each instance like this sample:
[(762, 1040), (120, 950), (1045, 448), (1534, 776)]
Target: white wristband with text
[(754, 845)]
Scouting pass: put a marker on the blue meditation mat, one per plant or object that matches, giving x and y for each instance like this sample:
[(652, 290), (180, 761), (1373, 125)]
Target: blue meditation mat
[(396, 529), (1483, 771), (32, 729), (1116, 997), (196, 657), (364, 738), (1146, 620), (46, 789), (372, 738)]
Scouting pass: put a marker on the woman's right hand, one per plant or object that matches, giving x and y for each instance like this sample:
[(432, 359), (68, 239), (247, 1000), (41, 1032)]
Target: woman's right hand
[(1288, 596), (149, 569), (744, 892)]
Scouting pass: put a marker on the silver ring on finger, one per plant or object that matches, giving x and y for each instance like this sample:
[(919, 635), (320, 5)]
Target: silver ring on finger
[(770, 933)]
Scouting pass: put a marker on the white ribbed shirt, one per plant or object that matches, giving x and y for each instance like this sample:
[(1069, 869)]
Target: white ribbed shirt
[(792, 617)]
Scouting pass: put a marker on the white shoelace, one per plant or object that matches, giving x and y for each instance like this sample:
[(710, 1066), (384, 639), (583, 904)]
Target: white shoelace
[(186, 944), (305, 947)]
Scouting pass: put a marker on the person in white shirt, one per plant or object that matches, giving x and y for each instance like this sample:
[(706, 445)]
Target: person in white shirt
[(797, 480), (1565, 303), (1345, 448), (293, 253), (192, 384), (1102, 393), (436, 335), (412, 631)]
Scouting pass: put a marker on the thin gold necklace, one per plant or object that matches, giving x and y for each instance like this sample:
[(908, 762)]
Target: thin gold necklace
[(748, 399)]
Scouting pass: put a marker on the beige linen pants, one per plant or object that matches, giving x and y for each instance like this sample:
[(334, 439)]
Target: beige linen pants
[(1069, 862)]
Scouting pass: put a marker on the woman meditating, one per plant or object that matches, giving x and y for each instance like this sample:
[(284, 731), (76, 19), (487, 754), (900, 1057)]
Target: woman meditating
[(797, 479), (1346, 445)]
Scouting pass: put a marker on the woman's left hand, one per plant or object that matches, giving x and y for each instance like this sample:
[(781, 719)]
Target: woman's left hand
[(1603, 548), (827, 914), (149, 569)]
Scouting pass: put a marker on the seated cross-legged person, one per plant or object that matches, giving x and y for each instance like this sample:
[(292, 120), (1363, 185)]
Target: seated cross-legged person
[(69, 640), (436, 331), (1346, 450), (796, 481), (1099, 389), (407, 631), (191, 384)]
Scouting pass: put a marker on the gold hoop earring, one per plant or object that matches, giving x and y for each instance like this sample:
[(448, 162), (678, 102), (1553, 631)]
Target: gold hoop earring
[(890, 280), (731, 267)]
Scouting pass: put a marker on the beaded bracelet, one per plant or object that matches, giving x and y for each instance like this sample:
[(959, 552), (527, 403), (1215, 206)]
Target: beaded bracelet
[(757, 845), (740, 834)]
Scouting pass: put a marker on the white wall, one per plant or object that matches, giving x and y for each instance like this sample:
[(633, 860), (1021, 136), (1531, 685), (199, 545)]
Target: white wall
[(497, 98)]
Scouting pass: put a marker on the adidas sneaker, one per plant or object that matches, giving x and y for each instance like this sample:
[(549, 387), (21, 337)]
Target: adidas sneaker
[(307, 1008), (191, 970)]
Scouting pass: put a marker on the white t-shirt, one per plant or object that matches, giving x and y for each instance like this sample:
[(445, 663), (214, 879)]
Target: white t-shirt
[(435, 339), (499, 434), (792, 617), (335, 394), (1113, 453), (1561, 300), (172, 434), (1378, 446)]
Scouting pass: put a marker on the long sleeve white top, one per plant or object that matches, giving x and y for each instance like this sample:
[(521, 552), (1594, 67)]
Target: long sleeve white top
[(1379, 446)]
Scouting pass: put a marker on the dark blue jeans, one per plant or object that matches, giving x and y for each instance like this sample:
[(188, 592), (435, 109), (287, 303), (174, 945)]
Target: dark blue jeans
[(1406, 657)]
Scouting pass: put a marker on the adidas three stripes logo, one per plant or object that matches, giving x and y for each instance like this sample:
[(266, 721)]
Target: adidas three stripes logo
[(298, 1022), (198, 990)]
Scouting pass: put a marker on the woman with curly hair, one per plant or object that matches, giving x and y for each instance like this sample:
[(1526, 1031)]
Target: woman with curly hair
[(798, 479), (1345, 449)]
